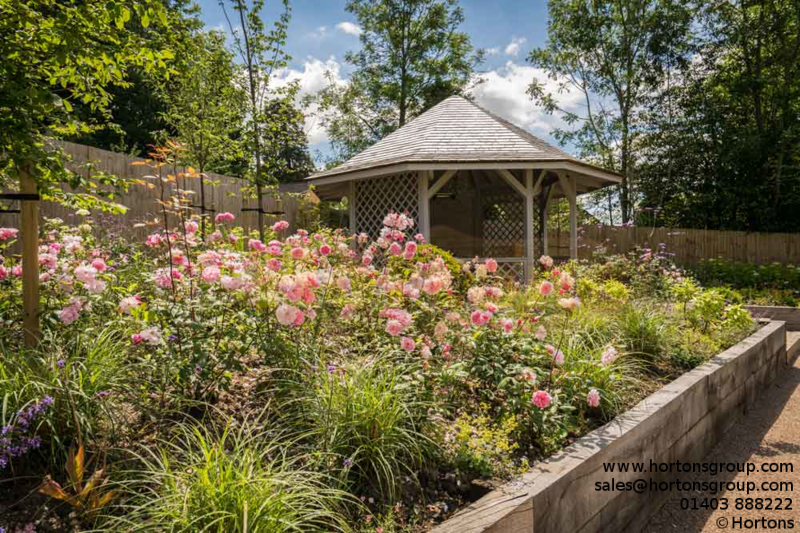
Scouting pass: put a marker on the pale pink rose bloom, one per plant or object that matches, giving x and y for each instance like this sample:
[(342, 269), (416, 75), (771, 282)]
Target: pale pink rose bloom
[(99, 264), (479, 318), (16, 270), (190, 226), (529, 375), (210, 274), (491, 308), (343, 282), (401, 315), (95, 286), (452, 316), (366, 260), (85, 273), (394, 327), (213, 237), (151, 336), (426, 352), (224, 217), (410, 292), (325, 249), (274, 264), (541, 399), (8, 233), (300, 318), (44, 277), (162, 279), (433, 285), (395, 249), (407, 344), (69, 314), (153, 240), (558, 358), (232, 238), (49, 261), (257, 245), (230, 283), (287, 314), (298, 252), (411, 248), (546, 261), (280, 225), (491, 265), (570, 304), (609, 355), (566, 281), (3, 273), (541, 333), (209, 257), (593, 398), (545, 288), (128, 304), (508, 325)]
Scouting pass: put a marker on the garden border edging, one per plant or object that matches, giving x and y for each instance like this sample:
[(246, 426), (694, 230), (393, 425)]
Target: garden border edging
[(682, 421)]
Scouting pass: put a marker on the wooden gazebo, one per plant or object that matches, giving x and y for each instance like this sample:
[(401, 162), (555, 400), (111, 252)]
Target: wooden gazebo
[(476, 184)]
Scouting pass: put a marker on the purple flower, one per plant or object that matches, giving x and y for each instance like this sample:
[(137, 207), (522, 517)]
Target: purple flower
[(331, 369), (61, 363), (14, 441), (347, 463), (103, 394)]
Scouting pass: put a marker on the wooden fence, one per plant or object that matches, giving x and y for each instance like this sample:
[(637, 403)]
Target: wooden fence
[(223, 193), (684, 246)]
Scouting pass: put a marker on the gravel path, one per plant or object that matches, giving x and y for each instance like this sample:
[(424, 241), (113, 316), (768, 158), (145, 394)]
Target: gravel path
[(769, 433)]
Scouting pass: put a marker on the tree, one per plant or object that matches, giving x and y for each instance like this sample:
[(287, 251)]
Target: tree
[(412, 57), (724, 145), (204, 106), (261, 53), (614, 53)]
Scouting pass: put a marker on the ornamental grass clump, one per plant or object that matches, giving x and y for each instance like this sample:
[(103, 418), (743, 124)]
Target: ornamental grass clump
[(239, 478), (368, 422)]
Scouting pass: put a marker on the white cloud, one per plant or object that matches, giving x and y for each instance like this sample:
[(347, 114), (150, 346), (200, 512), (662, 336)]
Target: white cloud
[(312, 78), (514, 46), (493, 51), (349, 28), (320, 33), (503, 92)]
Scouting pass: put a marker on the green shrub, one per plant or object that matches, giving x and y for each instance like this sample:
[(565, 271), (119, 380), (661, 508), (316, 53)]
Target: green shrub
[(235, 480), (478, 446), (644, 331)]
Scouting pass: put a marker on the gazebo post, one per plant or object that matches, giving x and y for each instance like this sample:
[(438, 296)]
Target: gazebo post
[(568, 186), (351, 205), (424, 208), (529, 233)]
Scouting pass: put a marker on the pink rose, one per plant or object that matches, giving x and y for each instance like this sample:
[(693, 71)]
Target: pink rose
[(280, 225), (325, 249), (541, 399), (407, 344), (8, 233), (224, 217), (210, 274), (99, 265), (545, 288), (593, 398), (491, 265)]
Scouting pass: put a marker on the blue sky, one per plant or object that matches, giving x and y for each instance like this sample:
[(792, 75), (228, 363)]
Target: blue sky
[(322, 31)]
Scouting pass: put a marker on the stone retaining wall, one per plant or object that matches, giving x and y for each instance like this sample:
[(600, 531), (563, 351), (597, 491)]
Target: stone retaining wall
[(683, 421)]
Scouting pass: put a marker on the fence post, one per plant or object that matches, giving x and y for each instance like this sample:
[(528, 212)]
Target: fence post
[(29, 227)]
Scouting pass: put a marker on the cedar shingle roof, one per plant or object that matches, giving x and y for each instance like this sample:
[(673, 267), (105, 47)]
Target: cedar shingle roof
[(455, 130)]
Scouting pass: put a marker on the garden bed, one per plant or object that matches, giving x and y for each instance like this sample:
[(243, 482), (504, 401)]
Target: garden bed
[(681, 422), (380, 384)]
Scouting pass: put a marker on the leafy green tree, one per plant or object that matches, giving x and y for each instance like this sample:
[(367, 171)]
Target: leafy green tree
[(53, 54), (412, 57), (613, 53), (723, 148), (136, 113)]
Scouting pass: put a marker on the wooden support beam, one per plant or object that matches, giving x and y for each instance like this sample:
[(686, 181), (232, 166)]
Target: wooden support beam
[(568, 186), (511, 180), (351, 206), (441, 182), (29, 227), (538, 186), (423, 179)]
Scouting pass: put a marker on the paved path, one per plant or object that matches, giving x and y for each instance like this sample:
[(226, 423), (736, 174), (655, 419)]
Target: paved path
[(770, 432)]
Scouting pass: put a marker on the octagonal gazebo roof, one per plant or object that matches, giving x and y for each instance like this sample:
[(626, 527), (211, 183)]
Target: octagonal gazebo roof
[(459, 134)]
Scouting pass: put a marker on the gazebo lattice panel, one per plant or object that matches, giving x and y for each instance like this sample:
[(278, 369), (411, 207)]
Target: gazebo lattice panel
[(503, 225), (375, 198), (512, 270)]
